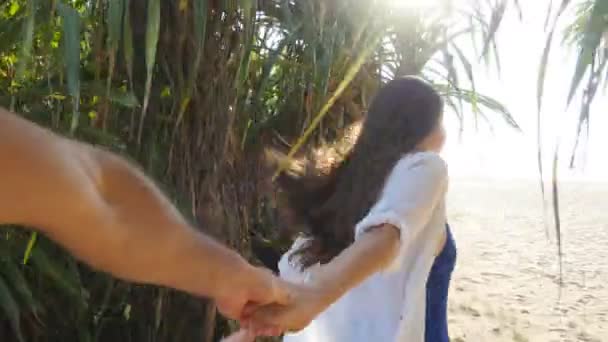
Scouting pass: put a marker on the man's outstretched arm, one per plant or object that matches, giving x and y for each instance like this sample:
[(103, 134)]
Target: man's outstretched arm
[(108, 214)]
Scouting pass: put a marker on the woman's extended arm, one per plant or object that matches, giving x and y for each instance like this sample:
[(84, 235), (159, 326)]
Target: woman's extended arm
[(405, 207)]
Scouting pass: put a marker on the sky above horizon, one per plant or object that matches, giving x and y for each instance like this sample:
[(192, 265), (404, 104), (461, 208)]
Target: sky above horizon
[(510, 154)]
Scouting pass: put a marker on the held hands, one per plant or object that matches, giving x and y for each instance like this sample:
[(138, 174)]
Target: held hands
[(251, 286), (268, 306), (304, 304)]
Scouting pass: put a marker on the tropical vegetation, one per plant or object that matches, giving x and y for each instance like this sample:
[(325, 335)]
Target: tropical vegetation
[(193, 91)]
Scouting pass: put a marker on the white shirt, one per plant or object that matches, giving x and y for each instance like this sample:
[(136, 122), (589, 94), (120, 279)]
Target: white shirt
[(391, 304)]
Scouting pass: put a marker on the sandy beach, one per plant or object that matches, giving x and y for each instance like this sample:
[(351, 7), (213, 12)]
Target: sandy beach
[(506, 284)]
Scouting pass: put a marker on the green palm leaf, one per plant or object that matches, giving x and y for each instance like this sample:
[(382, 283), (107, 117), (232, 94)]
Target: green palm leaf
[(71, 53)]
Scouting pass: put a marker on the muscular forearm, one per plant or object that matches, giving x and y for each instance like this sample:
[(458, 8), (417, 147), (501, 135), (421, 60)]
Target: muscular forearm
[(370, 253), (105, 211), (181, 259), (150, 241), (205, 268)]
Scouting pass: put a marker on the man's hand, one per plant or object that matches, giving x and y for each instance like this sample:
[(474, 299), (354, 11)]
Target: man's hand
[(370, 253), (251, 286), (305, 303)]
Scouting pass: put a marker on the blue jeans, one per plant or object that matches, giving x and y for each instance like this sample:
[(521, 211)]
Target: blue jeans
[(438, 283)]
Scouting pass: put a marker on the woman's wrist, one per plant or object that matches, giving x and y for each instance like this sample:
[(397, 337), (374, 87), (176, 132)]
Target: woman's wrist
[(329, 291)]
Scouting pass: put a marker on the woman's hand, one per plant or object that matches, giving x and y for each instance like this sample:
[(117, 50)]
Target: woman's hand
[(372, 252), (306, 303), (251, 286)]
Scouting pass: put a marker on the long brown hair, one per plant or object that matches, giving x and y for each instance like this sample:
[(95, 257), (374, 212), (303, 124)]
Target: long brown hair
[(328, 206)]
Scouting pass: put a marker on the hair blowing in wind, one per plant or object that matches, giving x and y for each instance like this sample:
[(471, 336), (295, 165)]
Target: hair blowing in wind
[(327, 206)]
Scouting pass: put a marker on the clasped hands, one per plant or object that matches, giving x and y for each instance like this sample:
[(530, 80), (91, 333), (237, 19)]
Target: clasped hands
[(285, 307)]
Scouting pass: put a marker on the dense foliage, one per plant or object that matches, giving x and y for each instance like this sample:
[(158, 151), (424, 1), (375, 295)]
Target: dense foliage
[(193, 90)]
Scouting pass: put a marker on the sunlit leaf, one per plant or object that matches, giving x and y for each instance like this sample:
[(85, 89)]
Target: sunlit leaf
[(152, 31), (71, 52), (128, 41), (539, 97), (200, 21), (250, 10), (520, 13), (350, 75), (592, 38), (56, 96), (165, 93), (466, 64), (478, 99), (549, 12), (28, 39), (200, 28), (540, 92), (114, 19), (542, 71), (126, 313), (495, 21), (556, 211), (114, 22), (13, 8), (30, 247)]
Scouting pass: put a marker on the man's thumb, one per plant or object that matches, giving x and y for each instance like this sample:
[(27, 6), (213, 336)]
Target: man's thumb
[(282, 293)]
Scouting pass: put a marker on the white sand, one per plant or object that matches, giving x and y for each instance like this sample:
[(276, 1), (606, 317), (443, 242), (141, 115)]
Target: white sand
[(505, 287)]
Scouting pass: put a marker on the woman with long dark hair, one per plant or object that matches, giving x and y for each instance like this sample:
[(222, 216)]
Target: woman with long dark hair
[(375, 255)]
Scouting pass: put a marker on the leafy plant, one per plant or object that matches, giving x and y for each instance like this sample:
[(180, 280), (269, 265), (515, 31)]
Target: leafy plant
[(193, 90)]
